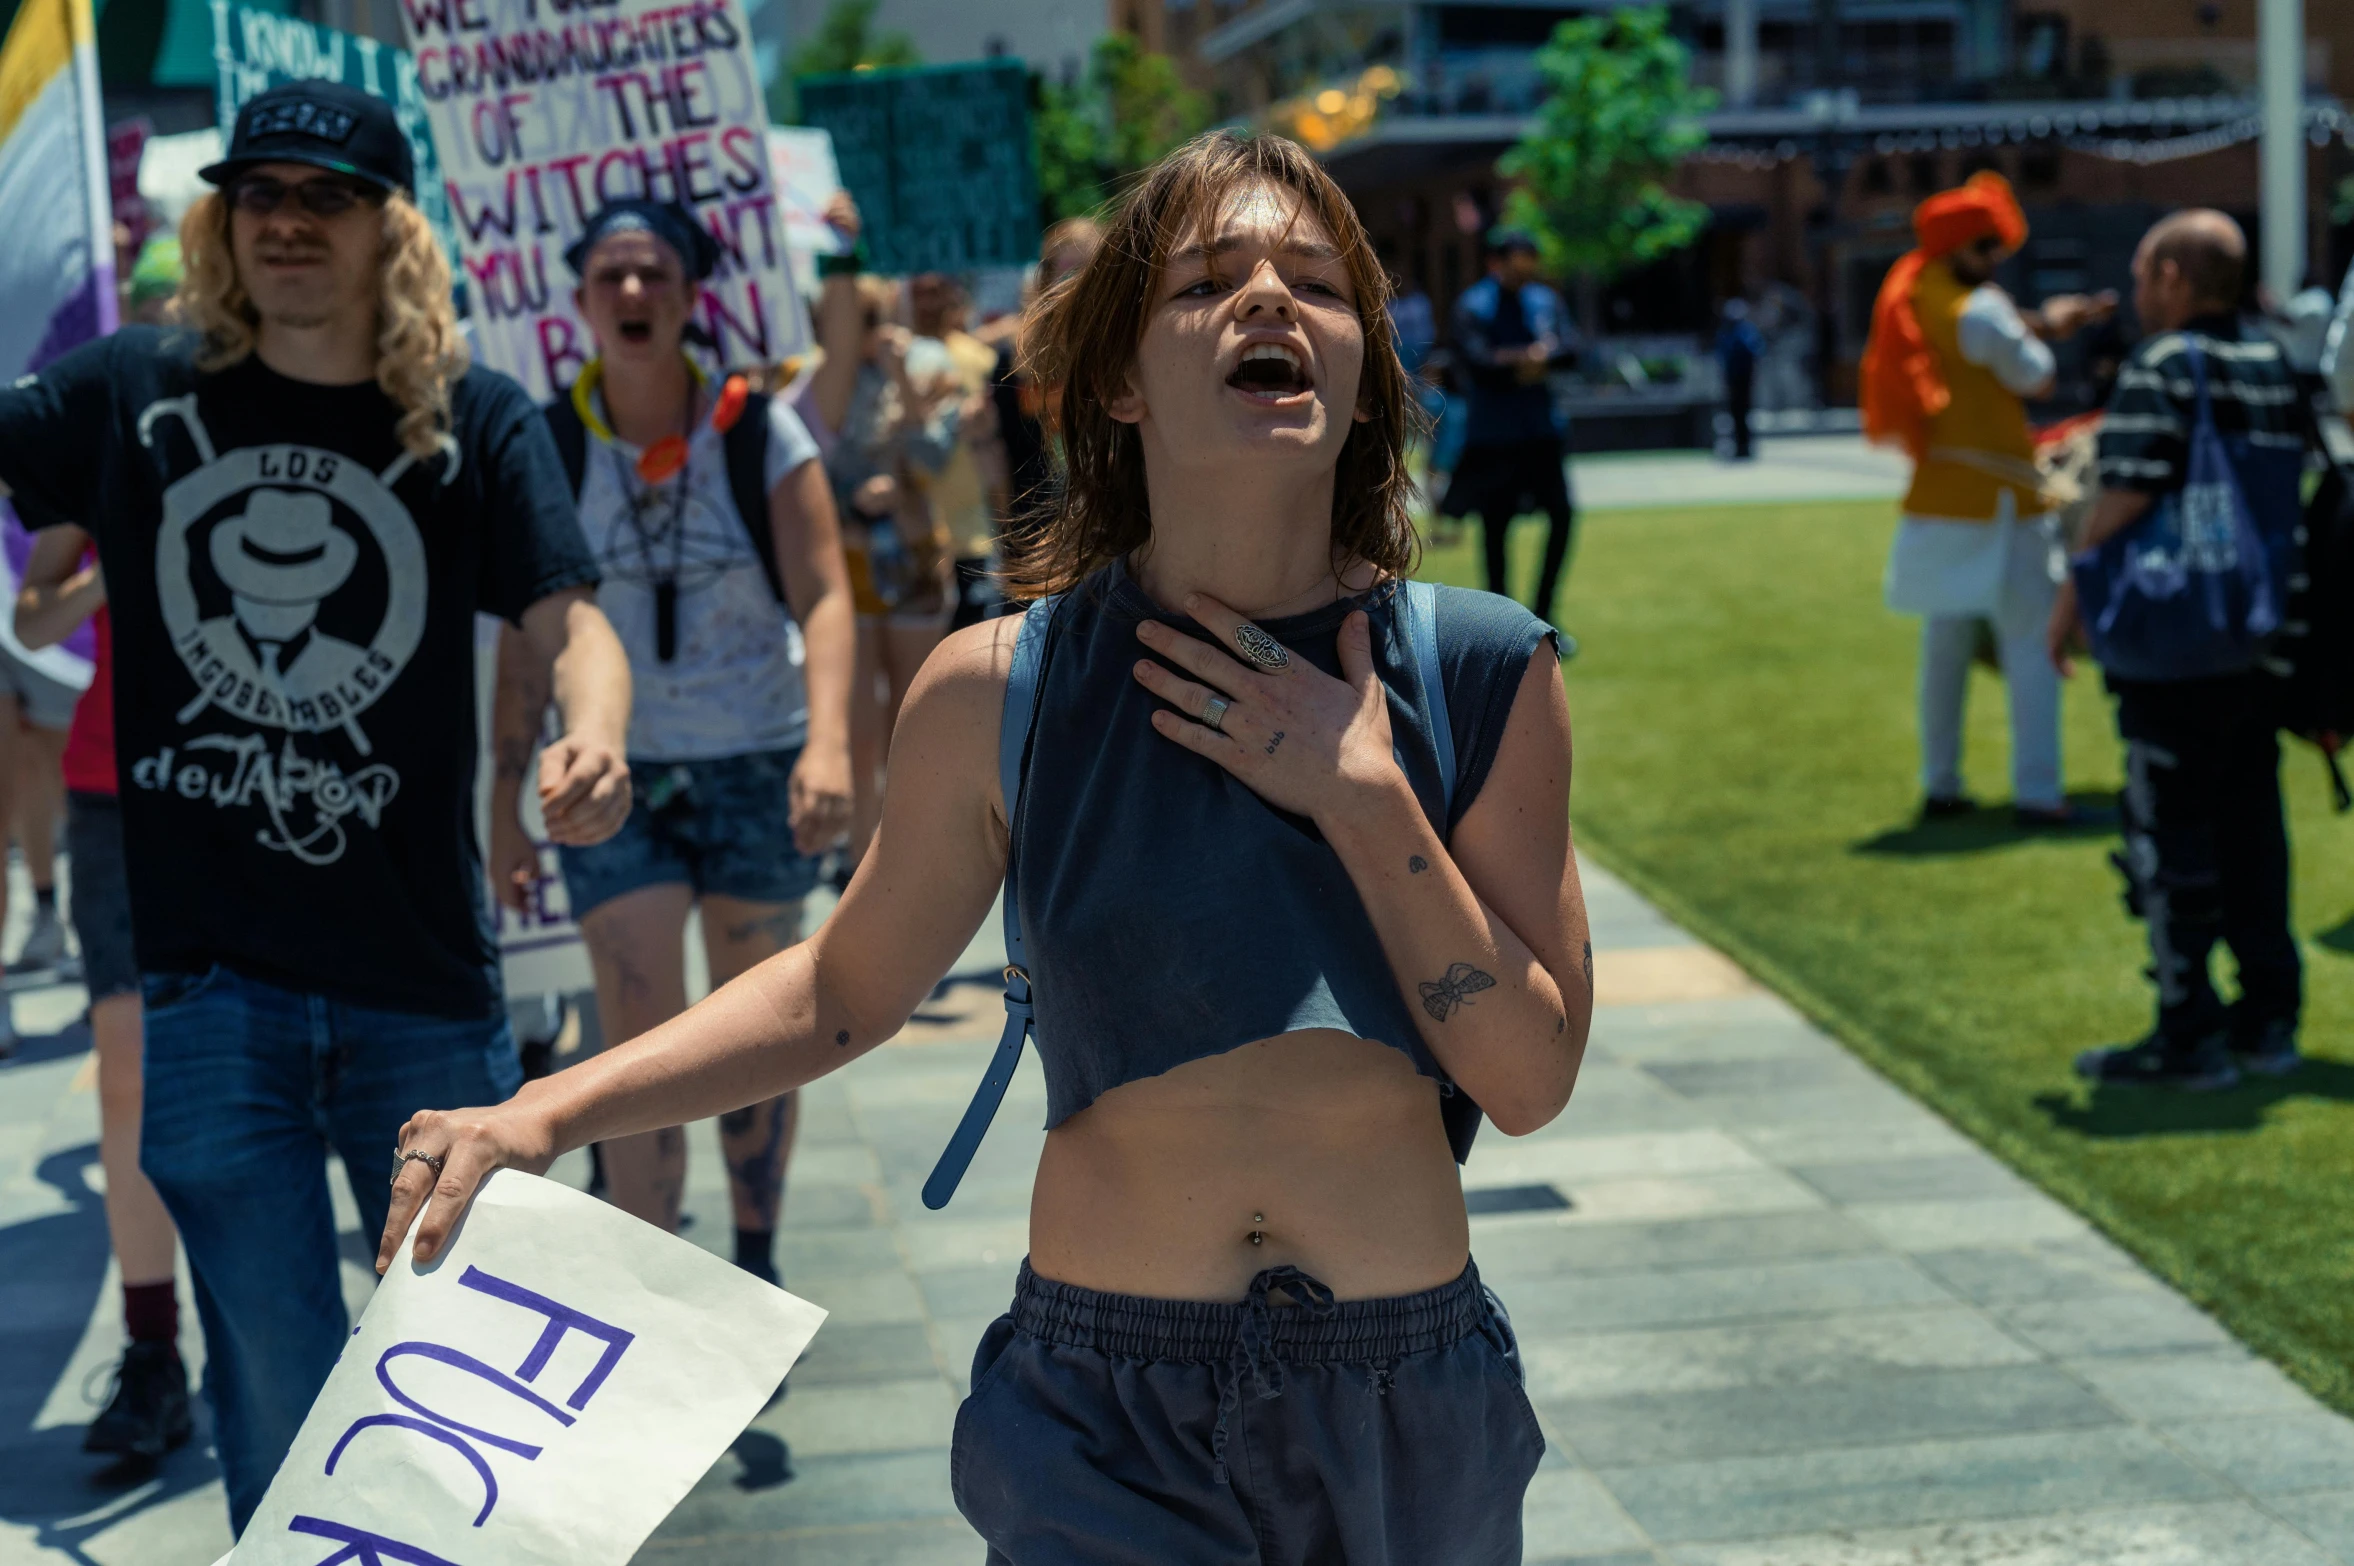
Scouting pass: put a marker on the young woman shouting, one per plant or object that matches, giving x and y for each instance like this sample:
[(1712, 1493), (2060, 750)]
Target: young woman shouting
[(1286, 929)]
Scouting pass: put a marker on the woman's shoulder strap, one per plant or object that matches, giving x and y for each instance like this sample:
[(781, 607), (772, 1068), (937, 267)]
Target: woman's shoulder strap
[(1021, 699)]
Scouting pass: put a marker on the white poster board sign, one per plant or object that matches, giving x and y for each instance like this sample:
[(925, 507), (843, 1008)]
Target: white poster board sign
[(542, 116), (806, 180), (542, 1394)]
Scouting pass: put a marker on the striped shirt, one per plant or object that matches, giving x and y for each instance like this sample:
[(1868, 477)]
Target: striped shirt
[(2145, 435)]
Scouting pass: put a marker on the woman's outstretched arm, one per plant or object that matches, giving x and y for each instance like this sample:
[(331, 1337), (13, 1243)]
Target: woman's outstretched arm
[(922, 891)]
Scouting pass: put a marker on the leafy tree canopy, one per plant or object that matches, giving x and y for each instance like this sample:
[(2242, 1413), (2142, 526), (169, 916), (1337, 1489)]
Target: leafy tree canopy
[(1129, 110), (845, 40), (1619, 114)]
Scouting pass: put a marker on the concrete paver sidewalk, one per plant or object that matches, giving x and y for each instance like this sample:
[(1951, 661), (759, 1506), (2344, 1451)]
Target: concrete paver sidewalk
[(1790, 1318)]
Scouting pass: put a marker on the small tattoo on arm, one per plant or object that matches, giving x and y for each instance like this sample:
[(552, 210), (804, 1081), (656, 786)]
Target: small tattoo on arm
[(1589, 965), (1277, 740), (1416, 864), (842, 1037), (1441, 996), (1560, 1026)]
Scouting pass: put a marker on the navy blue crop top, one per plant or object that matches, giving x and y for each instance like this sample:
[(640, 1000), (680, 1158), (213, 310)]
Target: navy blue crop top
[(1172, 914)]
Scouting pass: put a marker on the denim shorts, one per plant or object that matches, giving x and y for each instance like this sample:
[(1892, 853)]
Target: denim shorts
[(722, 827), (101, 901), (1103, 1427)]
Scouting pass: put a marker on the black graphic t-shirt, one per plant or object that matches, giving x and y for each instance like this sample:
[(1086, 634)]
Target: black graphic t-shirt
[(293, 598)]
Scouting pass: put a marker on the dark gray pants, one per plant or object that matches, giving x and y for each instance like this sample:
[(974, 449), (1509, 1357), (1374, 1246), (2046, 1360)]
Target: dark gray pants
[(1105, 1430)]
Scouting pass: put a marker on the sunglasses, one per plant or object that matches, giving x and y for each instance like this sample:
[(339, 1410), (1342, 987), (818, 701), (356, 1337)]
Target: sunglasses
[(261, 195)]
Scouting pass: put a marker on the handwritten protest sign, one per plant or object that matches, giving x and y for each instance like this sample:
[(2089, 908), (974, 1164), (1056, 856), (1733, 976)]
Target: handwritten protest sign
[(938, 159), (542, 114), (806, 178), (542, 1394), (254, 51)]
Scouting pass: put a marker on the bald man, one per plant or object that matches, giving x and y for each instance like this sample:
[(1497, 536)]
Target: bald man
[(2206, 852)]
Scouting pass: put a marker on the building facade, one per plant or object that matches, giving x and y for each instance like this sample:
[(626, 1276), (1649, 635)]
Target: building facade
[(2102, 114)]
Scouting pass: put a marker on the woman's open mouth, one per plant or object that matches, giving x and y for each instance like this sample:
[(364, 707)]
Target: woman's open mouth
[(637, 331), (1270, 372)]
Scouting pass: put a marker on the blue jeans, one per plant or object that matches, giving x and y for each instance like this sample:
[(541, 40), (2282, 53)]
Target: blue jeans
[(248, 1086)]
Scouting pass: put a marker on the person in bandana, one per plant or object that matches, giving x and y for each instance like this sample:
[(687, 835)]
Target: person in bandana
[(1949, 361)]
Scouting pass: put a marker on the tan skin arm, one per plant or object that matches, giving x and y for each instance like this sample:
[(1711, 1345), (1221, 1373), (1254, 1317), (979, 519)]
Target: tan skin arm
[(59, 592), (519, 703), (584, 774), (919, 895), (1502, 906), (2112, 513), (817, 584), (939, 859)]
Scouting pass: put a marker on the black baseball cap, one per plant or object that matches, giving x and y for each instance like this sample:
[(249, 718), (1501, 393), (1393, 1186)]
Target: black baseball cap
[(325, 124)]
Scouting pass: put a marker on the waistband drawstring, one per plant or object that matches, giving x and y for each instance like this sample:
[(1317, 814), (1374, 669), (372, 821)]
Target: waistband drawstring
[(1254, 1348)]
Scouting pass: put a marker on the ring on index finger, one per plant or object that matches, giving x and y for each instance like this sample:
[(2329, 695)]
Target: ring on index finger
[(402, 1160), (1263, 651)]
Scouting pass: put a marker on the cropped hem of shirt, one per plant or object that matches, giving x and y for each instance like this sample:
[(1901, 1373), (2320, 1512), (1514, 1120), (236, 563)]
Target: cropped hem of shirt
[(1172, 913)]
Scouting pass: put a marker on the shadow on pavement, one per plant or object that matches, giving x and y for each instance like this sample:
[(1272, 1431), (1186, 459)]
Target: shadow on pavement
[(2116, 1112), (1989, 827), (766, 1460), (51, 1269)]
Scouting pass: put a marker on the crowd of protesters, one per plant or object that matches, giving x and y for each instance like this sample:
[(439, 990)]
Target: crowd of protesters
[(278, 512)]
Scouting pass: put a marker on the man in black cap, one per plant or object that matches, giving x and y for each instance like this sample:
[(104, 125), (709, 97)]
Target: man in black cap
[(300, 499), (1511, 332)]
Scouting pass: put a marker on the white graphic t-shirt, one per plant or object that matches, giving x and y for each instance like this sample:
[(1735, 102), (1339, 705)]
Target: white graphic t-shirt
[(293, 599), (734, 685)]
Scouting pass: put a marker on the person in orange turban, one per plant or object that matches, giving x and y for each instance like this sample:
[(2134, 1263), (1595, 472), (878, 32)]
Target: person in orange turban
[(1949, 361)]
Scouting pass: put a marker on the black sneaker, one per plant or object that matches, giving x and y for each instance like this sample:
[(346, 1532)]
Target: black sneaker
[(2204, 1067), (2272, 1052), (1945, 807), (148, 1415)]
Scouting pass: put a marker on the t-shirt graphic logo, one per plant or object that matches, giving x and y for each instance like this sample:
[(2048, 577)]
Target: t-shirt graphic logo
[(310, 596), (292, 582)]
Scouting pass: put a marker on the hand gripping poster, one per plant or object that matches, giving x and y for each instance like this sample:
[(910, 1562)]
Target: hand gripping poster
[(544, 110), (543, 1393)]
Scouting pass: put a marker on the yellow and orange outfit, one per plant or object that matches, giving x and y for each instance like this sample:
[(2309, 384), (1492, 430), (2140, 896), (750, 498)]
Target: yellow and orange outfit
[(1944, 375)]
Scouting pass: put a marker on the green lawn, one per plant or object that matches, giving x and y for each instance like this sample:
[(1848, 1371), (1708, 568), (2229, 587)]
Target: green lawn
[(1746, 756)]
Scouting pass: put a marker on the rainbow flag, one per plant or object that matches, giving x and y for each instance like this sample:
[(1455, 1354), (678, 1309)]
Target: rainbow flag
[(57, 285)]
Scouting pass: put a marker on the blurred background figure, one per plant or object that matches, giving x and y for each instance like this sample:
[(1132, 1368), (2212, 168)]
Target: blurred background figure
[(1739, 346), (1511, 332), (897, 437), (147, 1414), (1949, 361), (1025, 412), (969, 495)]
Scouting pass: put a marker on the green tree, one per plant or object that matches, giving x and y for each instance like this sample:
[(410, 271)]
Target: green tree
[(1619, 114), (1131, 109), (845, 40)]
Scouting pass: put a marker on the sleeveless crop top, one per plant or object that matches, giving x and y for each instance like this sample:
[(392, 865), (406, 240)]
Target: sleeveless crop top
[(1168, 913)]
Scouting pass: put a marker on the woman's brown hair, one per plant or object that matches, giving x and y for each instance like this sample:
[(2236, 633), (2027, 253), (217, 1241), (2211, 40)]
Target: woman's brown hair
[(1081, 340)]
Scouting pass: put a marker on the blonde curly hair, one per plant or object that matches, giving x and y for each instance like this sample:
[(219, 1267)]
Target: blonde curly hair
[(419, 351)]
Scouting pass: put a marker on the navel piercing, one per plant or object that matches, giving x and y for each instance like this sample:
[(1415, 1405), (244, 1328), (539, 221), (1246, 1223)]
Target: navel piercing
[(1258, 1236)]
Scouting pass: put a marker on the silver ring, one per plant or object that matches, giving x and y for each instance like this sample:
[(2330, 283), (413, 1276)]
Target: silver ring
[(401, 1161), (1262, 650), (1214, 713)]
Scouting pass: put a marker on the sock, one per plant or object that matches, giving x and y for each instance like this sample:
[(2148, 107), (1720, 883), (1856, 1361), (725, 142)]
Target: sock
[(152, 1312), (45, 899), (756, 1252)]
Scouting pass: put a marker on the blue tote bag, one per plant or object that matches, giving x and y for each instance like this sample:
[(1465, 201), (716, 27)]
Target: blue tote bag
[(2196, 586)]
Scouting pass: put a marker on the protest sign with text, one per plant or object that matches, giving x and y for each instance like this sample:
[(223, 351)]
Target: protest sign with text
[(544, 110), (543, 1393)]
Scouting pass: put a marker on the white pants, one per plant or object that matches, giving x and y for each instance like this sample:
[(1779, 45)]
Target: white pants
[(2023, 606)]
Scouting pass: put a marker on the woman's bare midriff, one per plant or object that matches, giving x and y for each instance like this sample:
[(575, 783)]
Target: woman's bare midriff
[(1328, 1147)]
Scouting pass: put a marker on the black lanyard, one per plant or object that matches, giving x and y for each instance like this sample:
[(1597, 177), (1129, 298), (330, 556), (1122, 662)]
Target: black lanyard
[(666, 585)]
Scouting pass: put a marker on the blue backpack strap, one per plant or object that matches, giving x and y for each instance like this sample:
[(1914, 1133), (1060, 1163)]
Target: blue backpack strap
[(1422, 635), (1013, 738)]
